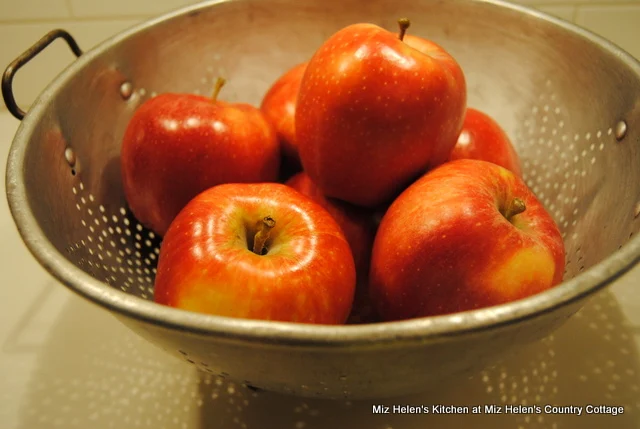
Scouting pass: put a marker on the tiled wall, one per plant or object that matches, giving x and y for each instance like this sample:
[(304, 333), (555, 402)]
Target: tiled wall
[(22, 22)]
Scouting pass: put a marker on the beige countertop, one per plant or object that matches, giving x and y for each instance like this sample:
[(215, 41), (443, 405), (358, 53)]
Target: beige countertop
[(65, 363)]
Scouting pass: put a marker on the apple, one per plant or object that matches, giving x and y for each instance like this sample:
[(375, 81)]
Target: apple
[(467, 235), (178, 145), (482, 138), (358, 227), (279, 107), (374, 113), (256, 251)]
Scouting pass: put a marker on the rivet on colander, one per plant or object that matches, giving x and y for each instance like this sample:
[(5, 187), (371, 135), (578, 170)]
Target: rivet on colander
[(126, 89), (70, 157), (621, 130)]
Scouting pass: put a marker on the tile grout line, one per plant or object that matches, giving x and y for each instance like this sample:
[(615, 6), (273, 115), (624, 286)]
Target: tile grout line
[(69, 8)]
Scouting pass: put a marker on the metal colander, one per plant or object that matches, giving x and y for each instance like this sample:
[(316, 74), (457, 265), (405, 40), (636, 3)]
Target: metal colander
[(569, 100)]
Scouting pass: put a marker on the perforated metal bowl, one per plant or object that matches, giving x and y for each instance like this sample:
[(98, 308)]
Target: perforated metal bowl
[(569, 100)]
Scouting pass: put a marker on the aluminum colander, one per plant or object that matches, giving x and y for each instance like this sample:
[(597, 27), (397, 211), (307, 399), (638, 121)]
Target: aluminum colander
[(569, 100)]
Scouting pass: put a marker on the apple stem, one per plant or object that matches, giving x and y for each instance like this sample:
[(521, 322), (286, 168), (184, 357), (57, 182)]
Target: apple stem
[(516, 207), (218, 86), (265, 225), (403, 23)]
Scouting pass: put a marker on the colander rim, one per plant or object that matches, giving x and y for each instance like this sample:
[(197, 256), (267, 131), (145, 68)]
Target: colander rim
[(283, 333)]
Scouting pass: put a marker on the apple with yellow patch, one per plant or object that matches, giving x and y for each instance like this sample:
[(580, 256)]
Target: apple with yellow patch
[(257, 251), (467, 235)]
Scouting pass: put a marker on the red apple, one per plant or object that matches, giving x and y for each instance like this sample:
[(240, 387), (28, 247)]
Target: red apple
[(469, 234), (359, 230), (178, 145), (482, 138), (279, 106), (257, 251), (374, 113)]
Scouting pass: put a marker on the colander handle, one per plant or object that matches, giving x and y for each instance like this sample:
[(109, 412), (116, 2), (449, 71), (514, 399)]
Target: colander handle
[(28, 55)]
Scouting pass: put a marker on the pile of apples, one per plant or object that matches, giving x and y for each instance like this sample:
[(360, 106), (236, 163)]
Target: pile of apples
[(363, 189)]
